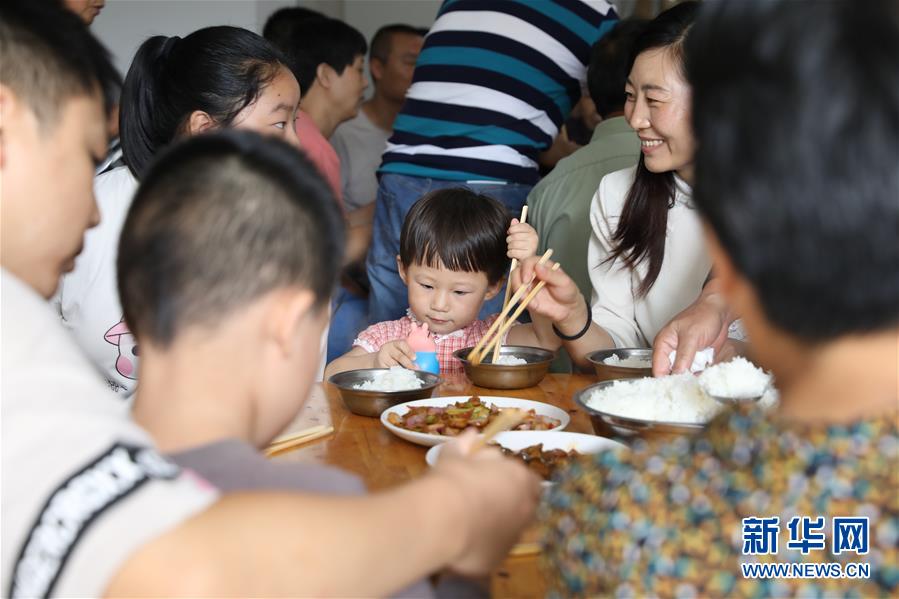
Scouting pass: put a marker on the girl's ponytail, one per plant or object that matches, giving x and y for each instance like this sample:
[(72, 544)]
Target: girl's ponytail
[(146, 124)]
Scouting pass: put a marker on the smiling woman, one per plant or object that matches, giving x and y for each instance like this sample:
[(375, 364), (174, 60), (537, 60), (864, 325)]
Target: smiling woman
[(646, 256)]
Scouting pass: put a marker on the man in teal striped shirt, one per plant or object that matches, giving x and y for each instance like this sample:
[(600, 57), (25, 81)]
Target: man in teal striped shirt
[(494, 82)]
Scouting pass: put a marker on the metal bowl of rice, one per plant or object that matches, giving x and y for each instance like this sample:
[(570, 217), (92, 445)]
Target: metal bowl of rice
[(518, 367), (631, 408), (624, 363), (370, 391)]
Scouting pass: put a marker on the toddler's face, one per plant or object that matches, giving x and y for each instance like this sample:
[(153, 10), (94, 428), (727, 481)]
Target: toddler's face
[(445, 299)]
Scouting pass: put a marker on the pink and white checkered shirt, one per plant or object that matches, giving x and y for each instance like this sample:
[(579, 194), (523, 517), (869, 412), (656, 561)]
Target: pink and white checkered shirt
[(372, 338)]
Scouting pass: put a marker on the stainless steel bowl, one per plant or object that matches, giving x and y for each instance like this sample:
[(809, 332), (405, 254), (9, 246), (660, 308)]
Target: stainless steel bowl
[(607, 372), (605, 424), (372, 403), (507, 376)]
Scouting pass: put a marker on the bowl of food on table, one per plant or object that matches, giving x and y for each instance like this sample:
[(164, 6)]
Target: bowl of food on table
[(432, 421), (543, 452), (370, 391), (669, 405), (622, 363), (516, 367)]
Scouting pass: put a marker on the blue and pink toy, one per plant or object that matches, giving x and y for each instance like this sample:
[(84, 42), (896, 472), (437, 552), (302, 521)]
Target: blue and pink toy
[(425, 349)]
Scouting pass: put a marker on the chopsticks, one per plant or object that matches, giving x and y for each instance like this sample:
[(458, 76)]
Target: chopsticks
[(506, 419), (286, 442), (477, 353), (512, 267)]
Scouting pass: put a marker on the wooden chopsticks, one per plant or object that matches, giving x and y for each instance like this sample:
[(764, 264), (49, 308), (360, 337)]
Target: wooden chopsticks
[(477, 353), (512, 267), (505, 420), (287, 442)]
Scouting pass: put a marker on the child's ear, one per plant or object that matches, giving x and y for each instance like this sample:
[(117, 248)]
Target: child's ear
[(4, 107), (199, 122), (402, 270), (736, 289), (494, 289), (8, 105), (291, 310)]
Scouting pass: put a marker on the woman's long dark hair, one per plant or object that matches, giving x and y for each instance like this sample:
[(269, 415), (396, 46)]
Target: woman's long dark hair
[(643, 226), (219, 70)]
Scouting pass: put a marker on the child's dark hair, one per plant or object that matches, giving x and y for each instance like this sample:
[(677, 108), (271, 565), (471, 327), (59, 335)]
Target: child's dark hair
[(803, 194), (463, 230), (49, 55), (321, 41), (219, 70), (218, 221)]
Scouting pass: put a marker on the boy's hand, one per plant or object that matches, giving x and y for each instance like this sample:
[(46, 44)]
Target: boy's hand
[(497, 495), (395, 353), (521, 240)]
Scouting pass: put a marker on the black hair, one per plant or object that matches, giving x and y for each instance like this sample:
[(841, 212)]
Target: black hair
[(383, 39), (796, 109), (464, 230), (322, 41), (280, 24), (219, 70), (609, 65), (643, 225), (218, 221), (49, 55)]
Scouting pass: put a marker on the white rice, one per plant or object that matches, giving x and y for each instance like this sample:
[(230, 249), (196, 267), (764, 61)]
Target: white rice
[(736, 379), (396, 378), (674, 398), (510, 361), (631, 362)]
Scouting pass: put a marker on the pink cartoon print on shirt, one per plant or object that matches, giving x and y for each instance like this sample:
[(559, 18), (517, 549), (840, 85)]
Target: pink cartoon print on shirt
[(120, 336)]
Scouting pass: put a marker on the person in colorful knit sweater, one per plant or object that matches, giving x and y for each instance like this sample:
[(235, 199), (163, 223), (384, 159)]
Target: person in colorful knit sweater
[(455, 249), (799, 195)]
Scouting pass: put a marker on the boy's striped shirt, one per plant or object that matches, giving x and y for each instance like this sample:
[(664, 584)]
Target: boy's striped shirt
[(493, 84)]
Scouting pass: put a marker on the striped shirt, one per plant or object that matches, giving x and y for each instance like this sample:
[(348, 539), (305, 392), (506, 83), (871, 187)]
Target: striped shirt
[(493, 83)]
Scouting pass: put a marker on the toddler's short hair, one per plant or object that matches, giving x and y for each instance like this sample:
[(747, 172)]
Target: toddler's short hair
[(464, 230)]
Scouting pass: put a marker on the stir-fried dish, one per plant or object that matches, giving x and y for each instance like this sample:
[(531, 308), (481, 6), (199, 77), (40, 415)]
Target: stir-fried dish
[(452, 420), (542, 462)]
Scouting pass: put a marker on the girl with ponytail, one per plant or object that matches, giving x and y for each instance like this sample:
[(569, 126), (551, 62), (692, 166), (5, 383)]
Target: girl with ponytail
[(214, 78)]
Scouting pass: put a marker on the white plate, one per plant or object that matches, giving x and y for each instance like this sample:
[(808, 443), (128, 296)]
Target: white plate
[(542, 409), (518, 440)]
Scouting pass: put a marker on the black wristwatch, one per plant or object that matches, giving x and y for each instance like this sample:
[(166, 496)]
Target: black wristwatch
[(583, 331)]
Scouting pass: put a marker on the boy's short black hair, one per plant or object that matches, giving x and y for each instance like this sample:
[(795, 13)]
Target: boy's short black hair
[(796, 109), (218, 221), (609, 64), (463, 230), (382, 41), (49, 55), (321, 41)]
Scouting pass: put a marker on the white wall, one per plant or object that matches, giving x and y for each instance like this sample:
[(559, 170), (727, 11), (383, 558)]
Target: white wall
[(124, 24), (370, 15)]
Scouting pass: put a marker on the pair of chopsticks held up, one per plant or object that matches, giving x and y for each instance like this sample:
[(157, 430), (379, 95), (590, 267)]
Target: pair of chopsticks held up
[(492, 340)]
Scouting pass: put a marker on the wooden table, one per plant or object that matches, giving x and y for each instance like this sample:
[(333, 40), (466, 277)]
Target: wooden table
[(361, 445)]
